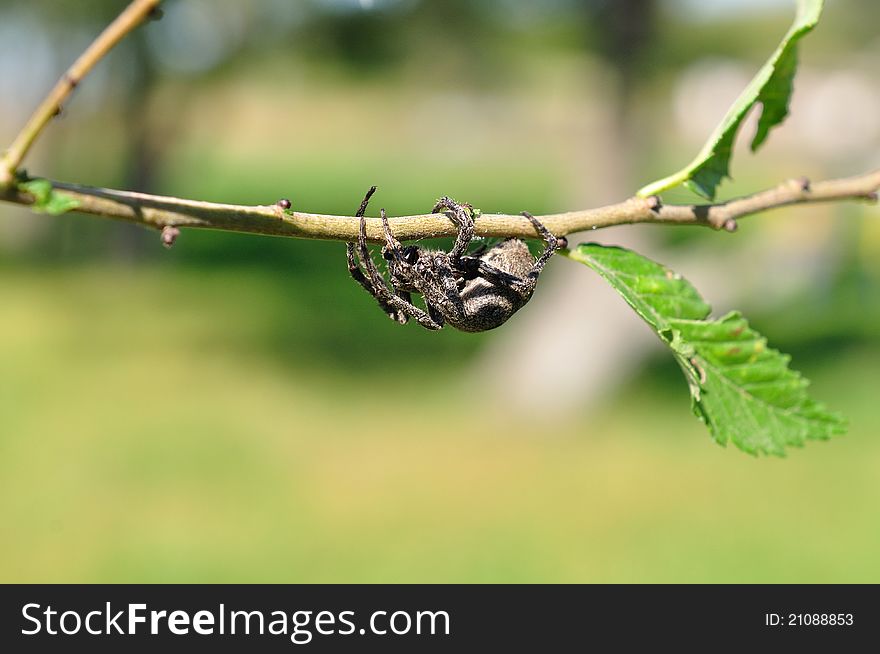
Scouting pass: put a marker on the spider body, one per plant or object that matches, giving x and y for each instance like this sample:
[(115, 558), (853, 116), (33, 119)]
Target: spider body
[(471, 292), (466, 302)]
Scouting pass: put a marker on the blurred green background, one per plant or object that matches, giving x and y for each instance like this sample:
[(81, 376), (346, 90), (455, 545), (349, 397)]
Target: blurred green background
[(236, 409)]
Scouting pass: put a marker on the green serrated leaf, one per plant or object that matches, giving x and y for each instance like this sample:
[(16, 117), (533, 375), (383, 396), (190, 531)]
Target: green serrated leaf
[(46, 198), (743, 390), (771, 88)]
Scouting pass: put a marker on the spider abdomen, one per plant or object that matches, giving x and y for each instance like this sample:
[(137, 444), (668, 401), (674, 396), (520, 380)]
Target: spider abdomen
[(488, 305), (512, 256)]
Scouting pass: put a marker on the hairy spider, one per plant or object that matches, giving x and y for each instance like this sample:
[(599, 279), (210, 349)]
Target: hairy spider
[(472, 292)]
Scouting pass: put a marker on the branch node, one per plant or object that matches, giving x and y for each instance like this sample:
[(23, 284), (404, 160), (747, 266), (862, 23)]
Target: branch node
[(730, 225), (803, 183), (653, 202), (169, 236), (284, 203)]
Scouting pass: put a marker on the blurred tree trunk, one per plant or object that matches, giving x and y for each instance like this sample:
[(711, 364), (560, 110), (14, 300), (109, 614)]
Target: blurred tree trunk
[(130, 242), (577, 339)]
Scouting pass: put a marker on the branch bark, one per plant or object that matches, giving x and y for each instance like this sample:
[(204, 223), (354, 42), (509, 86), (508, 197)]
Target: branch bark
[(131, 17), (159, 212)]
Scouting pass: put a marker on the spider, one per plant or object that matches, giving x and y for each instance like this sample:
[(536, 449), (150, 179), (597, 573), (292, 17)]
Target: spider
[(472, 292)]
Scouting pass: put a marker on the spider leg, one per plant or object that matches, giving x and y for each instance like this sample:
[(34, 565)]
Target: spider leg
[(353, 266), (380, 293), (363, 208), (378, 288), (396, 300), (424, 319), (434, 313), (462, 215), (354, 269), (397, 304), (552, 242), (367, 262), (395, 249), (476, 267), (392, 244), (442, 289)]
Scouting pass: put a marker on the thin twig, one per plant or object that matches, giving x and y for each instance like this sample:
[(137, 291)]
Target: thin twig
[(279, 220), (131, 17)]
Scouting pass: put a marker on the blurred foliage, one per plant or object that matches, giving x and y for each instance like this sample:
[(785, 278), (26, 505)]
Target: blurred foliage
[(236, 409), (153, 430), (741, 388)]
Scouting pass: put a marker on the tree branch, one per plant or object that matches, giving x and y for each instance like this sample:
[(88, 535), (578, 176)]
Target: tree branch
[(169, 213), (277, 220), (131, 17)]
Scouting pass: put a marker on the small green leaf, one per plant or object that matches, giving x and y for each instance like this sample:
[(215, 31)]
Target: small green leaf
[(41, 189), (771, 87), (743, 390), (60, 203), (46, 198)]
